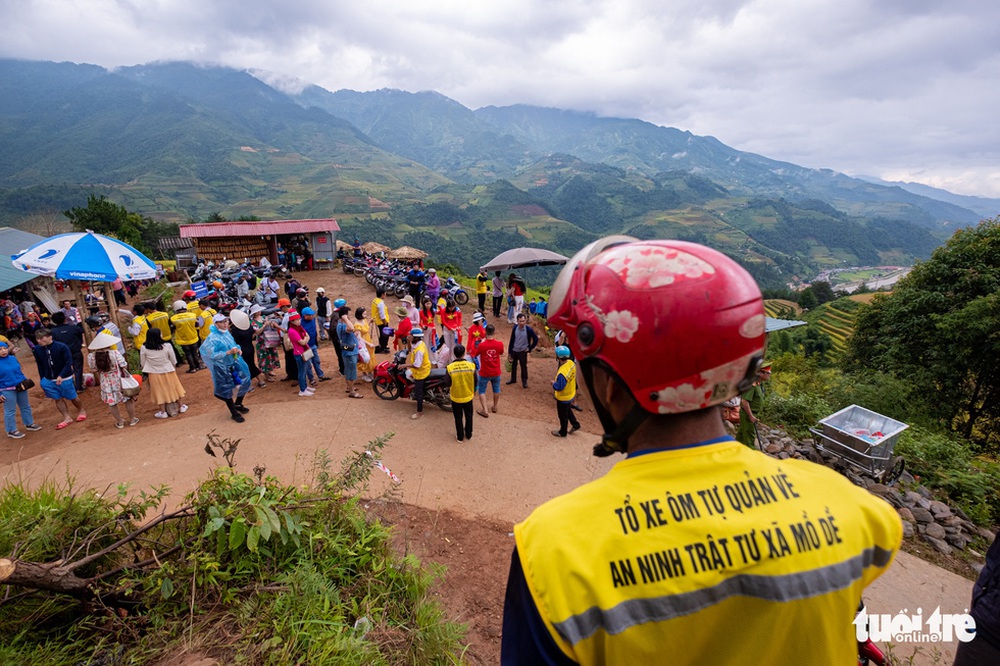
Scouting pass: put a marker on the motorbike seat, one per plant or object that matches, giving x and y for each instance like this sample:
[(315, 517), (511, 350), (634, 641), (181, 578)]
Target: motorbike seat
[(437, 373)]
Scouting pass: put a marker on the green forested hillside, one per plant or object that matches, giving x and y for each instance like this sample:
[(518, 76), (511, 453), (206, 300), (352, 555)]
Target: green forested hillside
[(175, 141)]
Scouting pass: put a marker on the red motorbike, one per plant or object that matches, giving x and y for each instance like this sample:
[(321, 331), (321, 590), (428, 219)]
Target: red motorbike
[(391, 383)]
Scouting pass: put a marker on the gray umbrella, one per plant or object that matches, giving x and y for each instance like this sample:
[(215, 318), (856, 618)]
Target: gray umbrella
[(523, 257)]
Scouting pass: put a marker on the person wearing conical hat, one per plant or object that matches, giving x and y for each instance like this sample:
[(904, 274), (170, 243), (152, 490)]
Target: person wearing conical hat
[(109, 365)]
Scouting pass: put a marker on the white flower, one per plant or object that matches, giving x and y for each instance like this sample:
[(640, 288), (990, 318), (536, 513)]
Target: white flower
[(683, 398), (656, 267), (621, 325)]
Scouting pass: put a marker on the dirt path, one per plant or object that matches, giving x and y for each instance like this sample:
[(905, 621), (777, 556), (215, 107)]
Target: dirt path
[(460, 500)]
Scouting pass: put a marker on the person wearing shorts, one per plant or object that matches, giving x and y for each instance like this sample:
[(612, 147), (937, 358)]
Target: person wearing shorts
[(489, 352), (55, 373)]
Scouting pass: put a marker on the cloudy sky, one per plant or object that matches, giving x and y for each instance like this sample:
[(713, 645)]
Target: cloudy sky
[(900, 89)]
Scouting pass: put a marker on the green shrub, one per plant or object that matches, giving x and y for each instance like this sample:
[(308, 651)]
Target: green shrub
[(250, 570), (947, 464)]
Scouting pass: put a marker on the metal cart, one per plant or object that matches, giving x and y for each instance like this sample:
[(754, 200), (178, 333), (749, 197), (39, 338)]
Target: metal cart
[(863, 439)]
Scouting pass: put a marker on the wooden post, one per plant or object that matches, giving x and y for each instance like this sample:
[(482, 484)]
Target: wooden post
[(109, 298)]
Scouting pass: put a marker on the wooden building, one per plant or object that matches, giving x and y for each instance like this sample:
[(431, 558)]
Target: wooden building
[(250, 241)]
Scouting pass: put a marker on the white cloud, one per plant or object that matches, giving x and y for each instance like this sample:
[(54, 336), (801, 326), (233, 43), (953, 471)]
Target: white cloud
[(885, 88)]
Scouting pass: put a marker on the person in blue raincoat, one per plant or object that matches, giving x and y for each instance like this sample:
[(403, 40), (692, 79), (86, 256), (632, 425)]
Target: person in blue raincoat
[(230, 374)]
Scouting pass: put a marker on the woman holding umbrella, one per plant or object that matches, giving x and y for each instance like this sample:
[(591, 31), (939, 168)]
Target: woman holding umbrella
[(230, 374)]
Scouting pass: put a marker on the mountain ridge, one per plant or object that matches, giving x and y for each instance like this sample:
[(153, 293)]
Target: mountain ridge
[(179, 141)]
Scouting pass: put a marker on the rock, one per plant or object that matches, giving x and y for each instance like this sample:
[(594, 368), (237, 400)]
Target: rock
[(951, 529), (978, 567), (935, 530), (957, 540), (986, 534), (772, 448), (961, 514), (894, 496), (906, 515), (969, 526), (913, 499), (940, 509), (783, 455), (953, 521), (939, 546), (924, 492), (908, 530), (879, 489), (922, 515)]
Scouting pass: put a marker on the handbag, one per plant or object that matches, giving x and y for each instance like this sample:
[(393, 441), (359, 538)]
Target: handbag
[(363, 351), (272, 338), (307, 355), (26, 384), (130, 386)]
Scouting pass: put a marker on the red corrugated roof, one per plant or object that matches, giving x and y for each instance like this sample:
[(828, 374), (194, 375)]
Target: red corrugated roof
[(262, 228)]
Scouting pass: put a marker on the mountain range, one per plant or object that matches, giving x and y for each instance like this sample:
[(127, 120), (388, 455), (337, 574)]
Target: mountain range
[(178, 142)]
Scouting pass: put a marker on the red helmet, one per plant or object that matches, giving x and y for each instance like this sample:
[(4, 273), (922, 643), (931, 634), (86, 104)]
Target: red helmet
[(189, 294), (680, 324)]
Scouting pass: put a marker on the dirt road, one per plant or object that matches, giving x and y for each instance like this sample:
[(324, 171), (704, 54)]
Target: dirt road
[(461, 499)]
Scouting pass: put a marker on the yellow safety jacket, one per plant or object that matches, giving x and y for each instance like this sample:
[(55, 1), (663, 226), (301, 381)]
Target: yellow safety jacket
[(140, 338), (568, 392), (185, 327), (206, 323), (161, 320), (424, 369), (482, 283), (463, 380), (713, 554), (376, 317)]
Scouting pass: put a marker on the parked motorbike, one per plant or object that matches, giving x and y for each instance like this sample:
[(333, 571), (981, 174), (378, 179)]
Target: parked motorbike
[(456, 291), (392, 383)]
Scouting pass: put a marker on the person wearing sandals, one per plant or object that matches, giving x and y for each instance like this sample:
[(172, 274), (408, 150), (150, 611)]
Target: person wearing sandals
[(365, 331), (230, 374), (55, 372), (11, 377), (349, 350), (109, 365), (159, 364), (266, 343), (299, 340)]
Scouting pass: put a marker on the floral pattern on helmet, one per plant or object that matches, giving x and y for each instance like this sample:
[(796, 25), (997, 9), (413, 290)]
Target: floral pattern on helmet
[(711, 387), (654, 267), (620, 325), (753, 327)]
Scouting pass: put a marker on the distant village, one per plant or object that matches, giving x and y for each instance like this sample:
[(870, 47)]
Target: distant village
[(853, 278)]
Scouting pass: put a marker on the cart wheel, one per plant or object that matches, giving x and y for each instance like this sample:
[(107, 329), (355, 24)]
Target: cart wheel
[(895, 471)]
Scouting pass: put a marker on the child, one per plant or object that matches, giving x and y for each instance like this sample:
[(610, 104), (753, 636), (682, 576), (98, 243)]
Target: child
[(565, 391), (463, 378)]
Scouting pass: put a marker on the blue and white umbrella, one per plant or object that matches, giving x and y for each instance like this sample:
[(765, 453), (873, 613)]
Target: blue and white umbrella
[(85, 256)]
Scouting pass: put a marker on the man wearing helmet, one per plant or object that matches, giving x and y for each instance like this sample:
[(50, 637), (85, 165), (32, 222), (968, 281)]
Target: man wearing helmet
[(418, 361), (694, 546), (565, 390)]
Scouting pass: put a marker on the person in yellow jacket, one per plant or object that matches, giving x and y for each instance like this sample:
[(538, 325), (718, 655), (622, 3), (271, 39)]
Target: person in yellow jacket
[(186, 324), (482, 288), (380, 316), (418, 366), (694, 548), (463, 376), (139, 326), (207, 313), (161, 320), (565, 390)]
